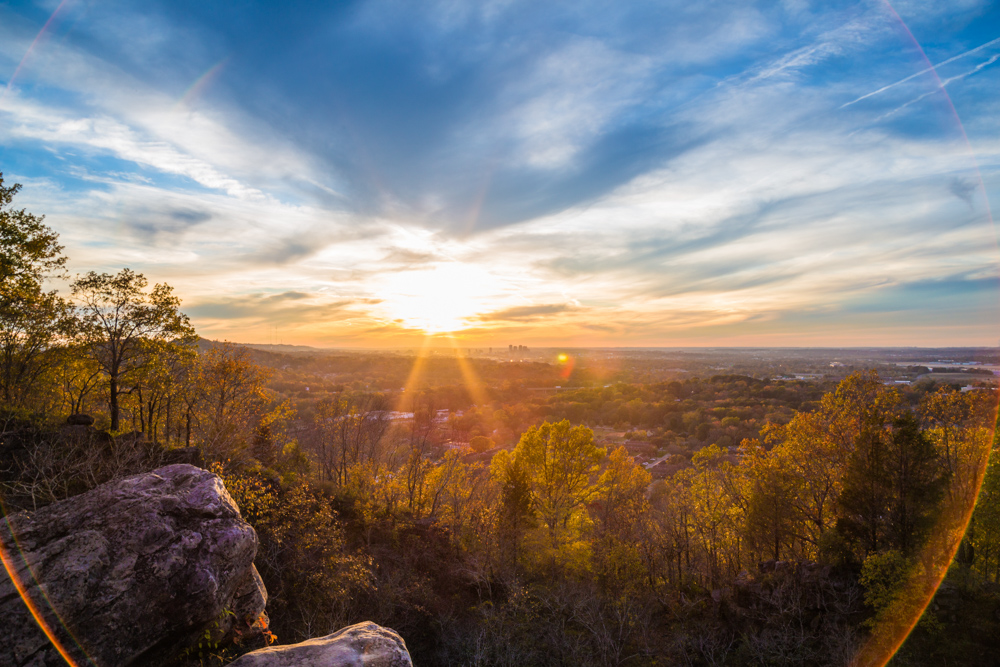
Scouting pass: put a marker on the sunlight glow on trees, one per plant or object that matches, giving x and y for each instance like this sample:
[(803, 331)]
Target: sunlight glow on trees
[(119, 319)]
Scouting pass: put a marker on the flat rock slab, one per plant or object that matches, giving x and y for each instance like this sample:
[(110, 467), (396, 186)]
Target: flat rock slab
[(130, 573), (361, 645)]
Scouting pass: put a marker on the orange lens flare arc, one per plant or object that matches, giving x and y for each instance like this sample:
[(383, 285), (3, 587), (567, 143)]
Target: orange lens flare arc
[(22, 591), (886, 642)]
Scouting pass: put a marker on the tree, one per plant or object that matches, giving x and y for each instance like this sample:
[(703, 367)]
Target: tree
[(713, 510), (960, 426), (516, 512), (816, 448), (481, 443), (232, 400), (28, 249), (769, 494), (77, 376), (620, 507), (118, 321), (159, 385), (621, 493), (560, 461), (892, 487), (918, 481), (310, 574), (32, 321), (352, 431), (985, 539), (32, 325)]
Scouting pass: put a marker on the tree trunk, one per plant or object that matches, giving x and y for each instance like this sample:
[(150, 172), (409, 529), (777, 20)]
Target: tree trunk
[(142, 413), (114, 402)]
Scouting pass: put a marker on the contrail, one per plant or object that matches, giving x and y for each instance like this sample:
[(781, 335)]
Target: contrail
[(944, 83), (923, 71)]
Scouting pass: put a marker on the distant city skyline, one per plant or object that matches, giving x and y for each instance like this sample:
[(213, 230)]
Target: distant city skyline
[(391, 174)]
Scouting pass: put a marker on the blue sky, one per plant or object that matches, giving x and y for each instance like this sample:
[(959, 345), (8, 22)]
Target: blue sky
[(586, 173)]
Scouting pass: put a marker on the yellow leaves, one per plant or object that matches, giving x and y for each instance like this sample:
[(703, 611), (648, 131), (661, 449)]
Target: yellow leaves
[(622, 511), (560, 461), (621, 491), (985, 537), (950, 408), (255, 498), (623, 476), (708, 457), (280, 413), (815, 448), (481, 443), (861, 395), (620, 563), (231, 403), (883, 576), (961, 431), (571, 552)]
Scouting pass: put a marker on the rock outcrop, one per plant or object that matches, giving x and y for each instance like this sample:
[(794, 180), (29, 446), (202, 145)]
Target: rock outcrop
[(130, 573), (80, 419), (361, 645)]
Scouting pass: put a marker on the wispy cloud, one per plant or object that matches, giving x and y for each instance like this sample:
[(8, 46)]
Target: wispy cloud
[(526, 313), (636, 174)]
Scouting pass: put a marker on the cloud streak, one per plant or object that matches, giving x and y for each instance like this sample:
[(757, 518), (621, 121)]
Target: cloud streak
[(526, 313)]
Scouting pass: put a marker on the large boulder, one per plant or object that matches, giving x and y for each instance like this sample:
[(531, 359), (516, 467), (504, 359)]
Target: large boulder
[(134, 572), (361, 645), (80, 419)]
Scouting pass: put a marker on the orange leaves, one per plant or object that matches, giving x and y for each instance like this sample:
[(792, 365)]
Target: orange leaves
[(265, 632)]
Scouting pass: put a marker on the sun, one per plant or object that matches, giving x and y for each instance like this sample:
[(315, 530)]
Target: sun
[(440, 299)]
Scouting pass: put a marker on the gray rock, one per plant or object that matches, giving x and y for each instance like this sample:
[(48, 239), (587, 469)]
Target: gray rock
[(80, 419), (130, 573), (247, 618), (361, 645)]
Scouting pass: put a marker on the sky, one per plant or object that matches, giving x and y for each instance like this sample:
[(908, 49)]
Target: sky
[(388, 173)]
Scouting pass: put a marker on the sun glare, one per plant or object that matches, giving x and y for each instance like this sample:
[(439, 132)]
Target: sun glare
[(442, 299)]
